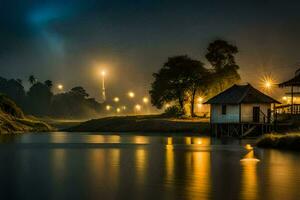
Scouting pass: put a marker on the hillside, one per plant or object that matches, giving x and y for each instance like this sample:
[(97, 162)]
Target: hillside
[(142, 124), (13, 120)]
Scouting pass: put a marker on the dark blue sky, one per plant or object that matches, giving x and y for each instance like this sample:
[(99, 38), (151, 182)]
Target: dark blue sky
[(66, 41)]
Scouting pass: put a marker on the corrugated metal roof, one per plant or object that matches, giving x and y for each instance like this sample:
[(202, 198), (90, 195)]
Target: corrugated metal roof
[(241, 94)]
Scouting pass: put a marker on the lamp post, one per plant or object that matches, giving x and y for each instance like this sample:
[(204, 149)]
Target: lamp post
[(103, 74)]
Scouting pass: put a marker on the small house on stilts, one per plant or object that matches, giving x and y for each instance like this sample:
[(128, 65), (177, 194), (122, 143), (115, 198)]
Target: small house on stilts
[(241, 111), (291, 107)]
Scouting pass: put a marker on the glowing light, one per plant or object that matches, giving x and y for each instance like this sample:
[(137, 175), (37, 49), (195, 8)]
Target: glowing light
[(108, 107), (138, 107), (248, 147), (124, 107), (284, 98), (116, 99), (118, 110), (131, 94), (267, 82), (200, 99), (103, 73), (145, 100), (60, 86), (167, 105)]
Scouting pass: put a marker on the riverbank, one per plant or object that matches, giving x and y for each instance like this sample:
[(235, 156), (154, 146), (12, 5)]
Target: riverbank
[(143, 123), (289, 141), (13, 120)]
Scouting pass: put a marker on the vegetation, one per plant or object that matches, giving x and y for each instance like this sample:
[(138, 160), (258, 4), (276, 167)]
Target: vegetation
[(280, 141), (40, 101), (150, 123), (181, 78), (13, 120)]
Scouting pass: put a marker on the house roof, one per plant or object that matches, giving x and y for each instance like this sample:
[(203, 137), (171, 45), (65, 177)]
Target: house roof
[(238, 94), (292, 82)]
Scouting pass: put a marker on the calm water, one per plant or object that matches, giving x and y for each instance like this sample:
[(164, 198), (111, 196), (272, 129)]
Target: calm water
[(94, 166)]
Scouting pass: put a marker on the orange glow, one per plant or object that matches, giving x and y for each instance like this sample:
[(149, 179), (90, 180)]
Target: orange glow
[(60, 86), (131, 94)]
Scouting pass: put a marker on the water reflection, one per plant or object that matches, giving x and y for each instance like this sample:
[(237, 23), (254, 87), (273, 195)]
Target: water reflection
[(249, 187), (173, 167)]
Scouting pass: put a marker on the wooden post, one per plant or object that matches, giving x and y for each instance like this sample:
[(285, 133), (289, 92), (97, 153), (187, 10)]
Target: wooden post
[(292, 99)]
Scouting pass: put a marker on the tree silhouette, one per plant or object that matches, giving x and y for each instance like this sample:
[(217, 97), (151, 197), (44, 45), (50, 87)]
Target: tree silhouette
[(220, 55), (32, 80), (48, 83), (178, 80)]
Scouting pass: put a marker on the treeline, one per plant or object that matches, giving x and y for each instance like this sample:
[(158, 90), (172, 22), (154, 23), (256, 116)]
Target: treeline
[(182, 79), (39, 100)]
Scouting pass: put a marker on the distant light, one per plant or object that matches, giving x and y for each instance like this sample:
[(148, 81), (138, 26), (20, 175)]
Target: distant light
[(268, 84), (116, 99), (108, 107), (124, 107), (145, 100), (284, 98), (167, 105), (60, 86), (138, 107), (118, 110), (131, 94)]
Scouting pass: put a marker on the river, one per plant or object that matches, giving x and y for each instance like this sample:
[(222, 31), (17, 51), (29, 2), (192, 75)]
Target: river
[(136, 166)]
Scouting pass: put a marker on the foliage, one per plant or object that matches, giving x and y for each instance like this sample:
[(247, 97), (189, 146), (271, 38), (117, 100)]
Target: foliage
[(32, 80), (173, 111), (75, 104), (7, 106), (220, 55), (40, 100), (178, 76), (279, 141)]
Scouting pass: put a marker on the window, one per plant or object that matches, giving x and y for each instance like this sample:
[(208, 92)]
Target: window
[(224, 109)]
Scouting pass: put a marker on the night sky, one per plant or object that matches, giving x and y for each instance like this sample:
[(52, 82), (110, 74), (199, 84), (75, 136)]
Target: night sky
[(70, 41)]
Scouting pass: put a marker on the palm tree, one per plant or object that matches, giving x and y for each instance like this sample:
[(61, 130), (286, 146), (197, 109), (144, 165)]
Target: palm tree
[(32, 80), (48, 83)]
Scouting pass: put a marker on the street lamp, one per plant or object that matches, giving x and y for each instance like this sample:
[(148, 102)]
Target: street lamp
[(145, 100), (103, 74), (138, 107), (131, 94), (60, 87), (108, 107), (116, 99)]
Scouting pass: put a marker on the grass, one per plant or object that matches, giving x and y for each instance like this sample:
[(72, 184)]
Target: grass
[(289, 141), (13, 120), (142, 123)]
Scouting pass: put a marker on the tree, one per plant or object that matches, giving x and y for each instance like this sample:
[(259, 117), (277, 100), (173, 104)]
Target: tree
[(39, 99), (220, 55), (32, 80), (48, 83), (79, 91), (179, 78)]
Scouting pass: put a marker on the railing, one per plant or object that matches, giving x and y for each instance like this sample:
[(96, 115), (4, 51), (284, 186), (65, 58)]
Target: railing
[(288, 109)]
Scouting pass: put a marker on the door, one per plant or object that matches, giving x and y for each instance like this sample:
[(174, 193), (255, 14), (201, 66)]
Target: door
[(256, 112)]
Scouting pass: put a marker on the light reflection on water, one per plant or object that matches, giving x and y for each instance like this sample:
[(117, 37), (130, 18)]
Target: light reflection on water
[(143, 167)]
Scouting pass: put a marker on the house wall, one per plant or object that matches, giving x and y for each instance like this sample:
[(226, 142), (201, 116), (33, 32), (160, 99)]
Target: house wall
[(247, 111), (232, 114)]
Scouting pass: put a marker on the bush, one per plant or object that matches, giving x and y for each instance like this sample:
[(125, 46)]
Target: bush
[(9, 107), (173, 111)]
